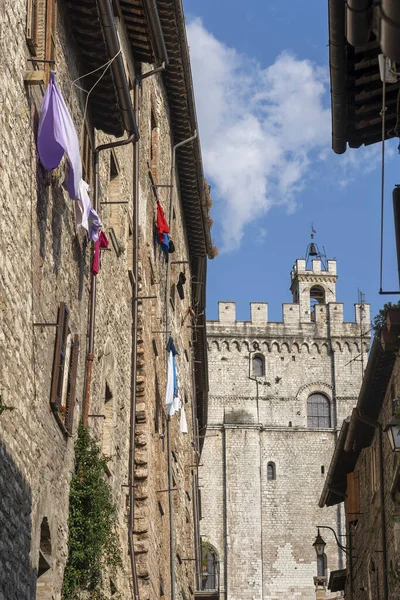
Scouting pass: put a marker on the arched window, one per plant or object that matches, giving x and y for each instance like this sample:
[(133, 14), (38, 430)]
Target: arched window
[(318, 412), (209, 561), (271, 471), (322, 565), (317, 296), (258, 365)]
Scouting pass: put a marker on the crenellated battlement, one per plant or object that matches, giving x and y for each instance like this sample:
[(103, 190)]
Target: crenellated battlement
[(299, 268), (323, 315)]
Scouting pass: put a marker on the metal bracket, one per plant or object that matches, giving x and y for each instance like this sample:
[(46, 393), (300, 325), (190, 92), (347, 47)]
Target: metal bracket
[(117, 202)]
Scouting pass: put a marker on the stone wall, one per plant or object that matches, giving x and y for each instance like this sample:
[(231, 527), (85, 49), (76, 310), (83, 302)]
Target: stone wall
[(368, 566), (44, 262), (263, 529)]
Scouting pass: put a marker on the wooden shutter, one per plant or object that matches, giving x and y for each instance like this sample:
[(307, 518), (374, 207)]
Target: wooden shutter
[(51, 30), (31, 32), (353, 496), (59, 356), (72, 374), (87, 156)]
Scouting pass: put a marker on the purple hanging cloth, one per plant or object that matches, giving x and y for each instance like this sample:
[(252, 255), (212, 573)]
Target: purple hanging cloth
[(57, 135)]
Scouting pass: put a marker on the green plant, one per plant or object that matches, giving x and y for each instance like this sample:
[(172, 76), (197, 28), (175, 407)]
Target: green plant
[(380, 318), (93, 542)]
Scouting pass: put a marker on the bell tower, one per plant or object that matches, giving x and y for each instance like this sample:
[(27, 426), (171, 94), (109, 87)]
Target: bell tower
[(313, 281)]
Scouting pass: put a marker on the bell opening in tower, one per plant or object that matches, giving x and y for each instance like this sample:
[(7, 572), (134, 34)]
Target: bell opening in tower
[(317, 296)]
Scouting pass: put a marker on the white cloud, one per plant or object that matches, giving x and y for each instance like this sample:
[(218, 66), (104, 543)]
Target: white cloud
[(260, 128)]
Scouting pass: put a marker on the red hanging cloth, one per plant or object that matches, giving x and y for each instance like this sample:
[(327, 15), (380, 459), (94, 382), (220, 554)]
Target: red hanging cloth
[(162, 225), (102, 242)]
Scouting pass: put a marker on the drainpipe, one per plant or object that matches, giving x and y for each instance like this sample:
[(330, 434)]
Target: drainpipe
[(150, 7), (260, 473), (373, 423), (107, 20), (337, 69), (118, 70), (135, 301), (335, 425), (167, 328), (225, 510), (390, 25), (171, 215), (358, 21), (92, 293)]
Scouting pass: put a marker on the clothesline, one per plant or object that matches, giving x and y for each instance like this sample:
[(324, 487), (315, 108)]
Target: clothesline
[(88, 92)]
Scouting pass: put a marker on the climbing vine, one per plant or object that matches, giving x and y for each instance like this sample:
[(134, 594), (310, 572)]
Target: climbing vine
[(93, 543)]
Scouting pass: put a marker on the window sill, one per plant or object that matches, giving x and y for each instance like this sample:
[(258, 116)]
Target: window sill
[(60, 422)]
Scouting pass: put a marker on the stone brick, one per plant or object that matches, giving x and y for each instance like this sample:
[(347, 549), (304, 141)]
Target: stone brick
[(263, 529)]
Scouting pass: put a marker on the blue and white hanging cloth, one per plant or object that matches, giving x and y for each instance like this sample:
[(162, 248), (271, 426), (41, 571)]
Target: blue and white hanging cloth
[(172, 393)]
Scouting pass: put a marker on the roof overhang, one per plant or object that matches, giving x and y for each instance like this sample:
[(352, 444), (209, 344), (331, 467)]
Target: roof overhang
[(356, 86), (358, 431), (93, 26)]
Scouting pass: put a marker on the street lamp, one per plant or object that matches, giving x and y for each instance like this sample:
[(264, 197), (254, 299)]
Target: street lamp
[(319, 544), (393, 427)]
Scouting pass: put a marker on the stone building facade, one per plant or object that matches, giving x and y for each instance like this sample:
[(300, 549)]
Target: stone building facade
[(364, 477), (123, 317), (277, 393)]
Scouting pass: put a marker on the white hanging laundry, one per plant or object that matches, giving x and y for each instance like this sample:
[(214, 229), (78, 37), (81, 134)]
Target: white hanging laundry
[(82, 206), (183, 422), (169, 394)]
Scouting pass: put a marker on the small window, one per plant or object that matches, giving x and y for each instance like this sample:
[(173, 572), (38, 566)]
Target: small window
[(271, 471), (154, 147), (108, 426), (258, 366), (318, 412), (322, 565), (41, 31), (317, 296), (373, 464), (209, 562), (87, 156), (114, 208), (65, 365)]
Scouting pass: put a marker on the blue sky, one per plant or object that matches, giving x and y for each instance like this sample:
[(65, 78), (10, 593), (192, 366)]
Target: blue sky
[(262, 93)]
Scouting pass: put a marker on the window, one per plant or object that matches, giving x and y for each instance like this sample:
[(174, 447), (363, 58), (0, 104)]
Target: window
[(114, 208), (41, 30), (65, 366), (258, 366), (317, 296), (209, 563), (318, 412), (86, 155), (322, 565), (129, 254), (271, 471), (154, 147), (353, 496), (373, 465), (108, 426)]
